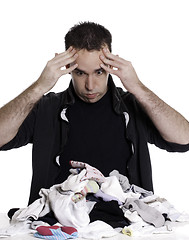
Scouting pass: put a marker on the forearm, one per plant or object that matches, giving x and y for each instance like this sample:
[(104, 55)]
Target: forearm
[(172, 126), (14, 113)]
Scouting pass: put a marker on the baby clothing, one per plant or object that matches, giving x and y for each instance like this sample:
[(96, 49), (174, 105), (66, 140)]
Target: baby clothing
[(87, 199), (123, 180), (147, 213), (91, 172), (112, 187), (56, 232), (106, 197), (108, 212)]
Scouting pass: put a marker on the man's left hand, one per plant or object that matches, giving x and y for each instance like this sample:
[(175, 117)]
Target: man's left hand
[(121, 68)]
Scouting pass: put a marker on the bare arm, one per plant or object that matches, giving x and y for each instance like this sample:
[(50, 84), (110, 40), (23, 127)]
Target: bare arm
[(14, 113), (172, 126)]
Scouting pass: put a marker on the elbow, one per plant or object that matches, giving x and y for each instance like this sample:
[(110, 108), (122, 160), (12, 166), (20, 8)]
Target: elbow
[(182, 139), (6, 139), (1, 144), (186, 142), (185, 136)]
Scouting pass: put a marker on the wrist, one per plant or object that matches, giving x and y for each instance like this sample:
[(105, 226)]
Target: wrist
[(138, 89), (39, 87), (37, 90)]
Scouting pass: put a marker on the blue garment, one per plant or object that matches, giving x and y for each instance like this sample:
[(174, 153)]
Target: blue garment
[(57, 234)]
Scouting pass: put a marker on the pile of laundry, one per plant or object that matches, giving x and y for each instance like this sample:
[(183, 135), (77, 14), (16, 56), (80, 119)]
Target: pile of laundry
[(89, 205)]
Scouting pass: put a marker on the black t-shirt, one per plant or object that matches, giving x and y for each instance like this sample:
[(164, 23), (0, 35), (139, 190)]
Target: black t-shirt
[(47, 131), (96, 136)]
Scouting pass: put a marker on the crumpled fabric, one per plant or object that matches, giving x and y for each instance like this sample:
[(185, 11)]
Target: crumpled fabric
[(75, 182), (58, 199), (147, 213), (91, 172)]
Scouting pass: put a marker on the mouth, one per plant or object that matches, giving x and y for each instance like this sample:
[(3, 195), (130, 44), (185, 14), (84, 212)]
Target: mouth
[(91, 96)]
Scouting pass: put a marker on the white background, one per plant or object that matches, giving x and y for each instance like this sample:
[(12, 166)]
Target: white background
[(152, 34)]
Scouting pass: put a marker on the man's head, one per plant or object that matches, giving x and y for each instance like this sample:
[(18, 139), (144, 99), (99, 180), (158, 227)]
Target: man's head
[(89, 79), (89, 36)]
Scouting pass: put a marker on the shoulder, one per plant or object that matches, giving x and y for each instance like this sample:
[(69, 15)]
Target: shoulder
[(53, 99), (128, 98), (132, 106), (50, 104)]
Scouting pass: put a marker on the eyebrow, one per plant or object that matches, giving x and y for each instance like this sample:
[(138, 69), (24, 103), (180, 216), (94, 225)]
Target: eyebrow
[(96, 70)]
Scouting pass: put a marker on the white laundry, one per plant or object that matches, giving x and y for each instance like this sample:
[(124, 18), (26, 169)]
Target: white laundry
[(123, 180), (142, 228), (17, 227), (67, 212), (74, 183), (58, 199), (112, 187), (97, 230), (172, 213), (38, 208), (133, 217)]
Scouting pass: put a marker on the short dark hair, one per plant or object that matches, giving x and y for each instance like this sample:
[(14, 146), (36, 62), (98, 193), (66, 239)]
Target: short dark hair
[(89, 36)]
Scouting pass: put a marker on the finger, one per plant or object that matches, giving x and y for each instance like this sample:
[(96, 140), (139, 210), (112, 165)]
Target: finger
[(108, 69), (113, 57), (68, 70), (108, 54), (64, 58), (65, 54), (70, 51), (107, 61), (64, 62)]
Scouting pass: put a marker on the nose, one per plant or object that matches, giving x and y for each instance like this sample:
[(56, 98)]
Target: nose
[(89, 83)]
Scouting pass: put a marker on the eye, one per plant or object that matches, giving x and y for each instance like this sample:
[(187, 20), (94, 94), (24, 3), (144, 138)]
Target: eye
[(79, 73), (100, 72)]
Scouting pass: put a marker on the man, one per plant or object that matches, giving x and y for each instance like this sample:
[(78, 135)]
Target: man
[(92, 121)]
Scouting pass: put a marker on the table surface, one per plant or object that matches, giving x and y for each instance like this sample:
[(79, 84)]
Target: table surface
[(180, 232)]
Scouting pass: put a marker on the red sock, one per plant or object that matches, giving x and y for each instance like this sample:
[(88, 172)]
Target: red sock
[(68, 230), (45, 230)]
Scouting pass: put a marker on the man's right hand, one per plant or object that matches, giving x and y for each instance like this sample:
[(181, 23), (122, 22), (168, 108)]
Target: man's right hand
[(60, 65)]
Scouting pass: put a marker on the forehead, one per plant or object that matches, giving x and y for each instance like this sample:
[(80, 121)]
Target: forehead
[(88, 61)]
